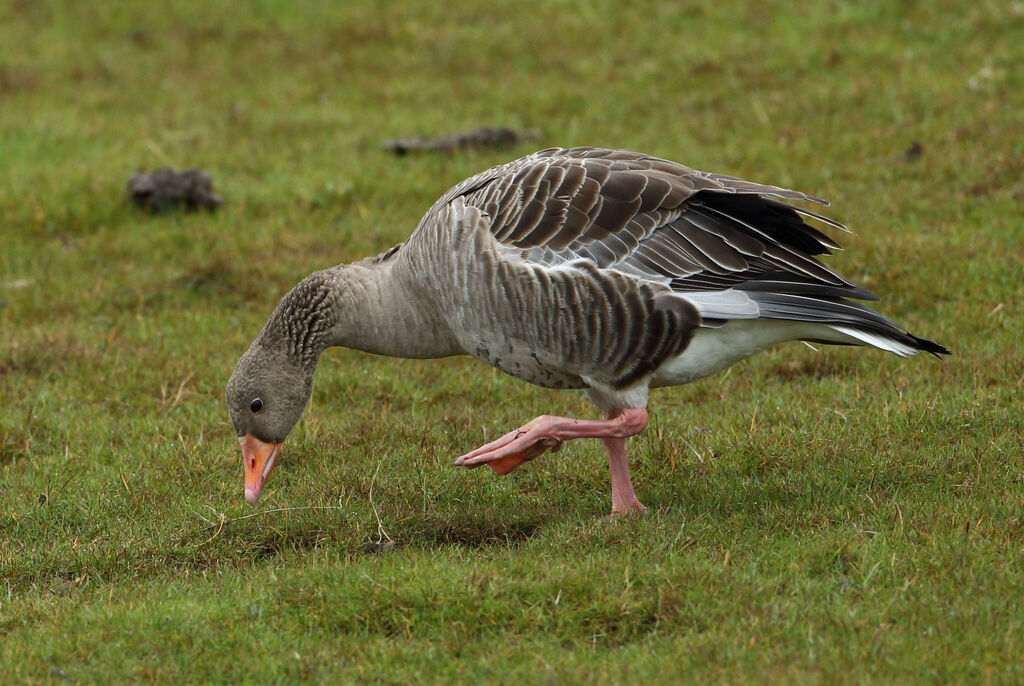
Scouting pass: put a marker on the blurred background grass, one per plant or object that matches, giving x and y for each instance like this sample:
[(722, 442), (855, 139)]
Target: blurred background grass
[(831, 516)]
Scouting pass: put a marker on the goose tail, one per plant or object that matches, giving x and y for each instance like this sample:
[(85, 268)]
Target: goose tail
[(851, 322)]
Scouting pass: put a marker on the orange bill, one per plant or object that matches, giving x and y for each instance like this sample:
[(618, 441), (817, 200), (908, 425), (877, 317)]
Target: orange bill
[(258, 458)]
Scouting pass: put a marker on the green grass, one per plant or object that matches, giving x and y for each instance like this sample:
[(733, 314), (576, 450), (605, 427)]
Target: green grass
[(839, 516)]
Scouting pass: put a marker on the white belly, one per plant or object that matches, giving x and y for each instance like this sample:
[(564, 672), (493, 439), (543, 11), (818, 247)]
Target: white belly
[(712, 350)]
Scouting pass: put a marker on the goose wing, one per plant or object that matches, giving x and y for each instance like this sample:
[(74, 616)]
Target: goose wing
[(655, 220)]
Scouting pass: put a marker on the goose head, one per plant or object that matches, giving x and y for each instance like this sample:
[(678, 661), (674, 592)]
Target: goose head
[(265, 398)]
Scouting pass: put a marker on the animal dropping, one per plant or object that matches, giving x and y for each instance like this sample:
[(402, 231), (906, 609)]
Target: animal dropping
[(166, 190)]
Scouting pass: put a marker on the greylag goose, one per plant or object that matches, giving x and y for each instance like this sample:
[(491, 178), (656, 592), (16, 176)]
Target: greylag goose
[(604, 270)]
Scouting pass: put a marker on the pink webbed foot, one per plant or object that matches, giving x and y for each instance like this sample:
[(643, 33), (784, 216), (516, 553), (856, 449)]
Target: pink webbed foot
[(514, 448), (626, 509)]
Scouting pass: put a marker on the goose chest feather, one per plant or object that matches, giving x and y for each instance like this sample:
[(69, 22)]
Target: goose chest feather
[(603, 270)]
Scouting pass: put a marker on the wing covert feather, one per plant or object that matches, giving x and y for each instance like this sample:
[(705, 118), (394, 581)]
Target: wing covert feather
[(648, 216)]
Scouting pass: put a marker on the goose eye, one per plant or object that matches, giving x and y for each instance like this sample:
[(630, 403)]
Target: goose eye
[(256, 405)]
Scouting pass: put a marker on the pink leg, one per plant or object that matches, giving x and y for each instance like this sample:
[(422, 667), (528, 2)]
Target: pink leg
[(624, 500), (548, 433)]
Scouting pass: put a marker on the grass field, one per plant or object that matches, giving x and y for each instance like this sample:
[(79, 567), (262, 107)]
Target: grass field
[(830, 517)]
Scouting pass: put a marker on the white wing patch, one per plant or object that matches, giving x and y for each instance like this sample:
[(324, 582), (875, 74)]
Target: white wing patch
[(727, 304)]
